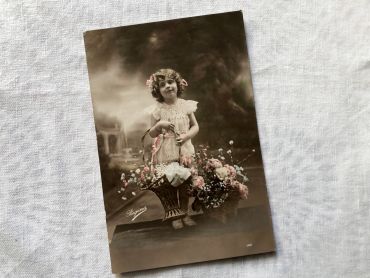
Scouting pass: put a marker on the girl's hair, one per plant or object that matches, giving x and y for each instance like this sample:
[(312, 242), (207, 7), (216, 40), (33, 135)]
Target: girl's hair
[(160, 75)]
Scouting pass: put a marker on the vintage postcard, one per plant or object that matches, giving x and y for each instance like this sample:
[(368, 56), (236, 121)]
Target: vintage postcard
[(180, 157)]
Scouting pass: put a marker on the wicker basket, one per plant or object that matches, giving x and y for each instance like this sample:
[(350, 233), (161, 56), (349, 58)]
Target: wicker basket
[(168, 195)]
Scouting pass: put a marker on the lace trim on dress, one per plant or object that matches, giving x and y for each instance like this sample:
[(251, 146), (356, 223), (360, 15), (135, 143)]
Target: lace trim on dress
[(191, 106)]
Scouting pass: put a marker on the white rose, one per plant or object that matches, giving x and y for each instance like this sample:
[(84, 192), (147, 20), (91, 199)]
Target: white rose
[(222, 173)]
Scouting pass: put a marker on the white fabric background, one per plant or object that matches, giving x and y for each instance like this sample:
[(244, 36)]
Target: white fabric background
[(310, 65)]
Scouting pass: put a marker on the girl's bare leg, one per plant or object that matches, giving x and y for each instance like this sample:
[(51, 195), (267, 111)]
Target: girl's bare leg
[(184, 204)]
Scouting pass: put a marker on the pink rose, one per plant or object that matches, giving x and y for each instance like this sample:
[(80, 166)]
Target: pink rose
[(243, 189), (213, 163), (198, 181), (231, 170)]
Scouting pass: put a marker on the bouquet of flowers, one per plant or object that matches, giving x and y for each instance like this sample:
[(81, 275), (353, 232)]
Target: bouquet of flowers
[(218, 183), (163, 180), (145, 176)]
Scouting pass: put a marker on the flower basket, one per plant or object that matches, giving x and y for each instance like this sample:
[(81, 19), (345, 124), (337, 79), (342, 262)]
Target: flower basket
[(167, 194), (218, 185), (164, 179), (225, 212)]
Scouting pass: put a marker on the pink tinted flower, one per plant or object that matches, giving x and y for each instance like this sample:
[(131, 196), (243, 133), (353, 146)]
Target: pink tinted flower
[(146, 169), (243, 189), (231, 169), (194, 171), (213, 163), (198, 181), (150, 81)]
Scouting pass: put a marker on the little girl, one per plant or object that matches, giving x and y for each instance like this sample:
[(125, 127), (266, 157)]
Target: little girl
[(173, 126)]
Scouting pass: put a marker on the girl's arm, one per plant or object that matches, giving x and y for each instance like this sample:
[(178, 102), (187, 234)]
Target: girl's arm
[(155, 130), (157, 126), (194, 129)]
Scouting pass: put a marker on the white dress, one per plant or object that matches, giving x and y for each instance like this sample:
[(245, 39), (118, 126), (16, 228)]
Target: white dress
[(165, 149)]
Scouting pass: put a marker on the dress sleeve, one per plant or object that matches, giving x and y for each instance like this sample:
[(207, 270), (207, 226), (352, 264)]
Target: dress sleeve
[(156, 113), (191, 106), (153, 110)]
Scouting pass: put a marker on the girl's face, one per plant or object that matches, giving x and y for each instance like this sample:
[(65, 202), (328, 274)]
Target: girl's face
[(168, 89)]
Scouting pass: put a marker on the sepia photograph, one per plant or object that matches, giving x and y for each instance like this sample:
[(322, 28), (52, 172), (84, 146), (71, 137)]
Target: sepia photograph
[(177, 137)]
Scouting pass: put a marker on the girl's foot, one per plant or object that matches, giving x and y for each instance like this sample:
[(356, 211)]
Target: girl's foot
[(177, 224), (188, 221)]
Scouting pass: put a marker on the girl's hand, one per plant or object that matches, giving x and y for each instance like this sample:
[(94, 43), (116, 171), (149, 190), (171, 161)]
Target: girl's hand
[(181, 139), (166, 125)]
